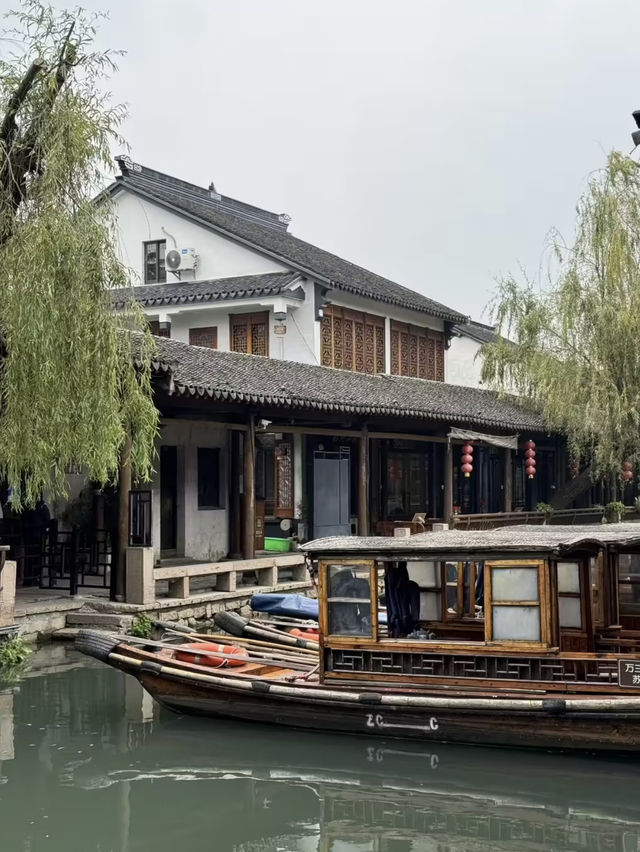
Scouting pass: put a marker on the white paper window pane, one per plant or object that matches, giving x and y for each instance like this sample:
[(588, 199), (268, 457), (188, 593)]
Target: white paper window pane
[(430, 607), (516, 622), (570, 612), (425, 574), (569, 577), (514, 584)]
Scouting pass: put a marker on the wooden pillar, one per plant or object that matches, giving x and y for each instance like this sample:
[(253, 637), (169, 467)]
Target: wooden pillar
[(118, 590), (363, 483), (447, 509), (508, 481), (248, 548), (235, 503)]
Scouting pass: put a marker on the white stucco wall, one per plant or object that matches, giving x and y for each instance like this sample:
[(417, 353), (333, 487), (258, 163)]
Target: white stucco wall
[(461, 366), (202, 533), (139, 220)]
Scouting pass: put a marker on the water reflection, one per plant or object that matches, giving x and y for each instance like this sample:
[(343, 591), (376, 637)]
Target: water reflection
[(86, 763)]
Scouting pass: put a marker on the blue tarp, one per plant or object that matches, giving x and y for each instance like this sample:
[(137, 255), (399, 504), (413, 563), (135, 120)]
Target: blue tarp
[(295, 606)]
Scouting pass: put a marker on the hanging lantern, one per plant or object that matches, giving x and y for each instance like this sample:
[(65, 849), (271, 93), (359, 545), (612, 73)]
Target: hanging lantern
[(574, 467), (467, 460), (627, 471), (530, 459)]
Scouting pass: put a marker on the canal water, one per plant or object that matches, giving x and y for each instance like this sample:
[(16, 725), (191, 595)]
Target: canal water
[(89, 764)]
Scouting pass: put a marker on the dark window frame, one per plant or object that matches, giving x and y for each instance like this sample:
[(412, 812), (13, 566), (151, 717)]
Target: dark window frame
[(160, 267), (208, 488)]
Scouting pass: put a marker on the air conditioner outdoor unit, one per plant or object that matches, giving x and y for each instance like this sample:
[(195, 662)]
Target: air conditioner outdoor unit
[(177, 260)]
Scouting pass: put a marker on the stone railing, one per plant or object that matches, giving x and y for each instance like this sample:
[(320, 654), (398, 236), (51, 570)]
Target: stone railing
[(142, 576)]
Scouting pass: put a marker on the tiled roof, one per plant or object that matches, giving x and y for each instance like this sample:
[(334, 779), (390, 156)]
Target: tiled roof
[(533, 539), (268, 232), (220, 289), (477, 331), (234, 377)]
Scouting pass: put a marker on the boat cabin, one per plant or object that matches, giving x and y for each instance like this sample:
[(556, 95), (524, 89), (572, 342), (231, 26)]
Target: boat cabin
[(545, 608)]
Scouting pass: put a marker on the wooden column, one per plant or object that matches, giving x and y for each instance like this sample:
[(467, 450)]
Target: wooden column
[(235, 501), (248, 547), (363, 483), (447, 509), (508, 481), (118, 580)]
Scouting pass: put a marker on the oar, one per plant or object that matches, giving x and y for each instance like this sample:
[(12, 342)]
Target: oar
[(265, 649), (243, 640), (283, 664)]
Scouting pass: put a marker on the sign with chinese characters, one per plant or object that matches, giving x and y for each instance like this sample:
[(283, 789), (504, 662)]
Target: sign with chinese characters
[(629, 673), (280, 328)]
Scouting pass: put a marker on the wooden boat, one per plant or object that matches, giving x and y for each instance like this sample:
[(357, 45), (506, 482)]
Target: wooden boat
[(518, 636)]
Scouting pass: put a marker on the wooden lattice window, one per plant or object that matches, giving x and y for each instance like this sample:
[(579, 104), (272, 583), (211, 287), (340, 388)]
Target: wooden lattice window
[(283, 479), (154, 328), (250, 333), (417, 352), (206, 336), (352, 340)]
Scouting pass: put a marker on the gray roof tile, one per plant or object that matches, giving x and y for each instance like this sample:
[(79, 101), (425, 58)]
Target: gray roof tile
[(271, 235), (219, 289), (230, 376)]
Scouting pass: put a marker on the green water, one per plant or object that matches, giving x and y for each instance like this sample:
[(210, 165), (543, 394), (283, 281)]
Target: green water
[(88, 763)]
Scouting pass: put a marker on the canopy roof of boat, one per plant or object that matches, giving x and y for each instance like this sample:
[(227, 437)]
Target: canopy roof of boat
[(525, 539)]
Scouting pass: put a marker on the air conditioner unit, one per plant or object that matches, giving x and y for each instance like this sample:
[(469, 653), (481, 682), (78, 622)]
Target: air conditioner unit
[(177, 260)]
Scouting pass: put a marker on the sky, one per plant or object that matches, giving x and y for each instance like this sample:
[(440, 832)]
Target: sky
[(435, 142)]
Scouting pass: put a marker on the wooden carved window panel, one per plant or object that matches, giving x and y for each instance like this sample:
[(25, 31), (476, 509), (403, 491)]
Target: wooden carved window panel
[(516, 602), (283, 460), (206, 336), (417, 352), (154, 328), (351, 340), (250, 333)]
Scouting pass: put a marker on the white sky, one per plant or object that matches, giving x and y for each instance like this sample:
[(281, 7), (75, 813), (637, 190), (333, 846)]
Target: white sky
[(433, 141)]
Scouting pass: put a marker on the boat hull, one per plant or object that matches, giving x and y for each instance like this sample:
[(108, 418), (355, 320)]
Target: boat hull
[(578, 731)]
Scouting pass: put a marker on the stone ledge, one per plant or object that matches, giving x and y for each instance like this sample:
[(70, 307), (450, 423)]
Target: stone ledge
[(197, 599)]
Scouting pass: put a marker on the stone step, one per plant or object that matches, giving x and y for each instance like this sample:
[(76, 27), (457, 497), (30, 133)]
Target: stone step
[(66, 634), (99, 620)]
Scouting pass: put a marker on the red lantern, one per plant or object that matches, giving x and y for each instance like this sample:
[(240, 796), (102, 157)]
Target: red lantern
[(467, 460), (627, 471), (530, 459), (626, 465)]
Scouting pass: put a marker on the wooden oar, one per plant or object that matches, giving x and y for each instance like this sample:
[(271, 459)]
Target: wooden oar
[(283, 664), (244, 640)]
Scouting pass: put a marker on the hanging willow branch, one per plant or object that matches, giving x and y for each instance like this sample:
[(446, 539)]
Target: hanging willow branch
[(575, 350), (70, 388)]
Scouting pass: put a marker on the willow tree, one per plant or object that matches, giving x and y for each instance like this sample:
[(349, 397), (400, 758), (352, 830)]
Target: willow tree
[(575, 343), (72, 391)]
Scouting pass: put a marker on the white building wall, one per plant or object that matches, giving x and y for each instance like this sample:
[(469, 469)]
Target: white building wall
[(462, 364), (139, 220), (202, 533)]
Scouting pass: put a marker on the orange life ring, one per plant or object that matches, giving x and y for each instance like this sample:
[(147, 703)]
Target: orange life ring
[(309, 633), (189, 654)]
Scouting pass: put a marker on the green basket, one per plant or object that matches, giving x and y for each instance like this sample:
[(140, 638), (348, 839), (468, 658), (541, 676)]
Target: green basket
[(280, 544)]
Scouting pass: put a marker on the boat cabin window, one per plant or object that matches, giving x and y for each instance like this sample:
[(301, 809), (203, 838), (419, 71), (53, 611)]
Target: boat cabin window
[(348, 596), (427, 577), (629, 583), (569, 596), (596, 574), (465, 590), (513, 598)]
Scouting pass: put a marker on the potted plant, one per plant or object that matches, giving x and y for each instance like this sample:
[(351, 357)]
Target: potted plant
[(546, 509), (614, 512)]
